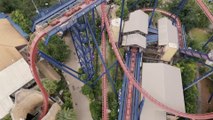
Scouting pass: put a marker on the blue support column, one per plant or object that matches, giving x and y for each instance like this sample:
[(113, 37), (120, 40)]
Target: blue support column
[(105, 72), (121, 22), (122, 102), (184, 37), (153, 12), (141, 108), (60, 66), (83, 51), (94, 24), (100, 54), (210, 40), (139, 80), (199, 79)]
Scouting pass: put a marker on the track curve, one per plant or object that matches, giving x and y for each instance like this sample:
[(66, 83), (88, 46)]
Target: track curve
[(132, 79), (33, 55), (34, 46), (63, 19)]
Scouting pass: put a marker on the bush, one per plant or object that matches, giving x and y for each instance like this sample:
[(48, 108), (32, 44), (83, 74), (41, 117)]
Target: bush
[(50, 86), (113, 106), (19, 18), (95, 108), (66, 114), (125, 14), (188, 72), (7, 117)]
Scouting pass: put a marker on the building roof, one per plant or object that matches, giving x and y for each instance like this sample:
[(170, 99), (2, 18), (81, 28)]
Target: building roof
[(9, 36), (12, 78), (164, 83), (168, 34), (134, 40), (138, 20), (9, 40)]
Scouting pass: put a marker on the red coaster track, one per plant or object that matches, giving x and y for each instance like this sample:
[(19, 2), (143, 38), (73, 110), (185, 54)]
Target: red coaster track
[(205, 9)]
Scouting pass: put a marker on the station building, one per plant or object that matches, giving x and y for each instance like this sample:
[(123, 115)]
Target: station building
[(167, 38), (164, 83), (135, 34), (14, 70)]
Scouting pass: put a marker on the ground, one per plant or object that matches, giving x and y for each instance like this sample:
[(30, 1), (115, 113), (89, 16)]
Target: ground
[(204, 93), (80, 101), (199, 34)]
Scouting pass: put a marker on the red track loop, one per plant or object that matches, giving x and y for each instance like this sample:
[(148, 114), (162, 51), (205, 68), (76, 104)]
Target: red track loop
[(132, 79)]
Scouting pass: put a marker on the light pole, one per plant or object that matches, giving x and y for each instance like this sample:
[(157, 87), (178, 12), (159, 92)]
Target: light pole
[(35, 6)]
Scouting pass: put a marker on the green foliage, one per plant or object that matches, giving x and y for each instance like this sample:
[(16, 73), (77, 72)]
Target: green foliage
[(66, 114), (50, 86), (7, 6), (56, 48), (7, 117), (188, 72), (95, 109), (113, 106), (87, 90), (191, 16), (67, 99), (126, 12), (66, 95), (19, 18)]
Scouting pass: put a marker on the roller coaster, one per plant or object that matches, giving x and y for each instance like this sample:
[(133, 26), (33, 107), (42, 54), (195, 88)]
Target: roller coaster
[(73, 16)]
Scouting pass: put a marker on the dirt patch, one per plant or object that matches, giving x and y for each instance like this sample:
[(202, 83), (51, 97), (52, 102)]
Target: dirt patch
[(204, 93)]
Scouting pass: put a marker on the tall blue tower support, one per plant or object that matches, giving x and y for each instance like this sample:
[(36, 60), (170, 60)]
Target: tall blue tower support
[(210, 40), (83, 49), (180, 7), (153, 12)]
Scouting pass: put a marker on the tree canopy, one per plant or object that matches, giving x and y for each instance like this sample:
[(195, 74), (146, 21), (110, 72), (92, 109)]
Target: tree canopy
[(56, 48), (19, 18), (50, 86)]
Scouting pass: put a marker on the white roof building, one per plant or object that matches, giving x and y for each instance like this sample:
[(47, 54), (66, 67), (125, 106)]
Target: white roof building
[(168, 37), (138, 20), (135, 29), (14, 70), (134, 40), (164, 83), (12, 78), (168, 34)]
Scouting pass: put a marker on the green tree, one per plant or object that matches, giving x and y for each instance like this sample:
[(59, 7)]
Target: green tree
[(50, 86), (19, 18), (56, 48), (7, 117), (66, 114), (188, 72), (67, 99), (191, 16), (126, 11), (7, 6), (113, 106), (95, 109)]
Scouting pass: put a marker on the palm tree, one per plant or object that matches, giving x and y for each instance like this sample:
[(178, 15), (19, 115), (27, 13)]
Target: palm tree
[(66, 114)]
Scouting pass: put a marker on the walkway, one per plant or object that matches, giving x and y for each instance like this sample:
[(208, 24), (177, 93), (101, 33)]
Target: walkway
[(80, 101)]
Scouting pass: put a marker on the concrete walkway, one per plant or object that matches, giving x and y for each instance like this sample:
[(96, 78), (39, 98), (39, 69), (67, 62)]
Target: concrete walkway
[(80, 101)]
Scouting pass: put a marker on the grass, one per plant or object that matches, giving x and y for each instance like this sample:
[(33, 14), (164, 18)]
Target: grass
[(199, 35)]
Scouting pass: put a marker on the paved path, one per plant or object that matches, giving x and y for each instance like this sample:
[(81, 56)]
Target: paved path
[(80, 101)]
